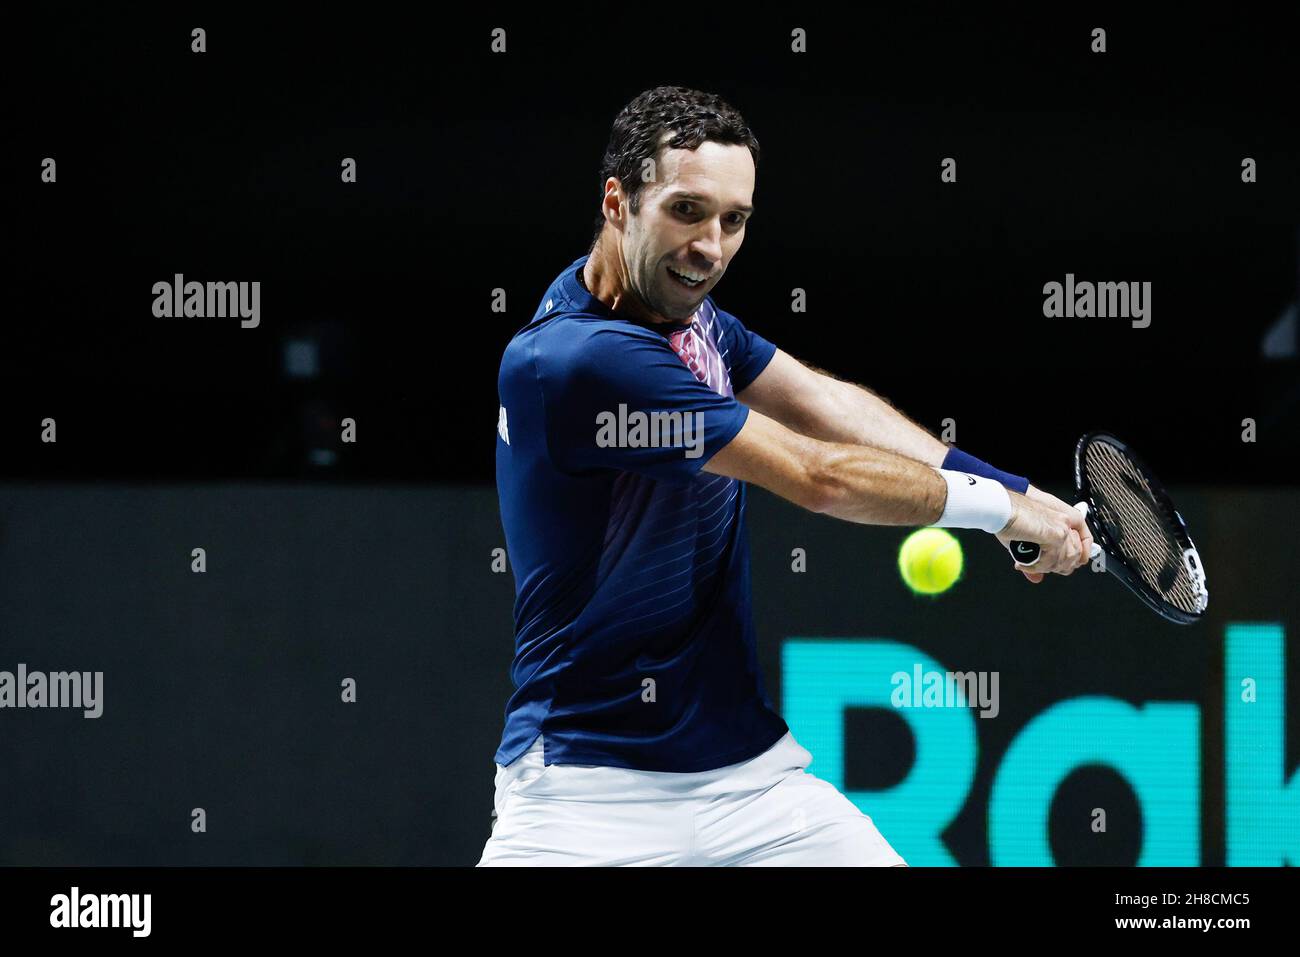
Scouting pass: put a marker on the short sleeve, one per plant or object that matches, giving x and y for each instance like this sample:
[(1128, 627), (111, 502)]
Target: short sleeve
[(620, 398), (746, 353)]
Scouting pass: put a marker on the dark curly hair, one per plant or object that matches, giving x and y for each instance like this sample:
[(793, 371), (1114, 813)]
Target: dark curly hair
[(690, 116)]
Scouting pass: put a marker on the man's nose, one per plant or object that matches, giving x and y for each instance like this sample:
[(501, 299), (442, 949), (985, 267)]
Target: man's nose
[(708, 242)]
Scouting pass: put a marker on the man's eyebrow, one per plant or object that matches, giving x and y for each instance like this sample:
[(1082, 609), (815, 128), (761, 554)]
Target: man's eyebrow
[(704, 199)]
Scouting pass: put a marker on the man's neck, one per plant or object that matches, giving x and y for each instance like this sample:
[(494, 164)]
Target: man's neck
[(601, 277)]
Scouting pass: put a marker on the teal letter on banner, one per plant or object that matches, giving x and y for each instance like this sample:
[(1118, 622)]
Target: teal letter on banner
[(1157, 750), (1263, 808), (819, 679)]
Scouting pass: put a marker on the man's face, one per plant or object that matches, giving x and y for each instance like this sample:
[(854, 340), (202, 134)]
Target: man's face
[(691, 222)]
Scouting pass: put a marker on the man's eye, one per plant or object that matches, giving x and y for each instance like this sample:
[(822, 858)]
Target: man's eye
[(684, 208)]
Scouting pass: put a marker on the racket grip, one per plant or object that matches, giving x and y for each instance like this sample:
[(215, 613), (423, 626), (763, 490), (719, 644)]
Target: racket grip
[(1027, 553)]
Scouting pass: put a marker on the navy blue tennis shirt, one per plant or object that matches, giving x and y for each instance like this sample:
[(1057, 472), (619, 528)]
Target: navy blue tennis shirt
[(634, 639)]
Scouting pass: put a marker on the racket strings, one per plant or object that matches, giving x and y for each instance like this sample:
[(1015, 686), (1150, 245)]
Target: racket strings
[(1148, 543)]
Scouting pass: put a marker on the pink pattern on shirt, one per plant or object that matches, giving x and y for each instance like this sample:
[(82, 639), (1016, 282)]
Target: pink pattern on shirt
[(696, 347)]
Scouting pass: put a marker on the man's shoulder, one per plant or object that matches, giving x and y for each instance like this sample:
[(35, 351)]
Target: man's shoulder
[(561, 342)]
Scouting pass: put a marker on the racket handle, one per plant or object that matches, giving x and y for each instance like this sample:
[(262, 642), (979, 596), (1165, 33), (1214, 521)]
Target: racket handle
[(1026, 553)]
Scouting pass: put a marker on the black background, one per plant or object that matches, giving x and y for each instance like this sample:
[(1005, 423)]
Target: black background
[(478, 171)]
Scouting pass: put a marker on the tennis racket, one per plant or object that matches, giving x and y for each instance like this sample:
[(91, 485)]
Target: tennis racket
[(1136, 528)]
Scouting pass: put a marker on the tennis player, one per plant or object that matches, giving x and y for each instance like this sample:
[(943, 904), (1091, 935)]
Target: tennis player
[(633, 413)]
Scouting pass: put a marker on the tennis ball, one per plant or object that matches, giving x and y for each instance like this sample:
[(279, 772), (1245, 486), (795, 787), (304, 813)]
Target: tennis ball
[(930, 561)]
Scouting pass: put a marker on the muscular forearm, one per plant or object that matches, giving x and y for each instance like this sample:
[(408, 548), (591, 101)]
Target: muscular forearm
[(877, 487), (859, 483)]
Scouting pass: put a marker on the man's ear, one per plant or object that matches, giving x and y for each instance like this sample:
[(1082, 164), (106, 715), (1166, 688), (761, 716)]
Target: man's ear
[(615, 202)]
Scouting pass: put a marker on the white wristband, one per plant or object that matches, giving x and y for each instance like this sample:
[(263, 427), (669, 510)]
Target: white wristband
[(974, 502)]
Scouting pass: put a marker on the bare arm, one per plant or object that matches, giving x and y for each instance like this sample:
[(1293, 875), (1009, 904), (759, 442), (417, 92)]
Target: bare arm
[(816, 404), (856, 483), (871, 486)]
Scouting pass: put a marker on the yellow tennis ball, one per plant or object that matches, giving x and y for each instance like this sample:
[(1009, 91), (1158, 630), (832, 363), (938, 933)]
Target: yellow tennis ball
[(930, 561)]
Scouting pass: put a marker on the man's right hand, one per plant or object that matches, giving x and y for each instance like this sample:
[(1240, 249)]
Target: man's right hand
[(1061, 534)]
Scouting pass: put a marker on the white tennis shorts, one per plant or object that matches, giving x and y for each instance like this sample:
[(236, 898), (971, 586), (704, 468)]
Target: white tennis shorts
[(766, 811)]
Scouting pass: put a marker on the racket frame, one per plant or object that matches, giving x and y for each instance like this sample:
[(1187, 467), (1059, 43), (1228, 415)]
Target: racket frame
[(1113, 561)]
